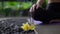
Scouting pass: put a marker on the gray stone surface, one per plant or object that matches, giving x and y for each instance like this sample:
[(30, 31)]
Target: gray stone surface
[(48, 29), (11, 25), (16, 22)]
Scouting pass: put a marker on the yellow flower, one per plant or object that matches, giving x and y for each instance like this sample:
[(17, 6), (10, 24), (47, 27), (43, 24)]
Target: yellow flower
[(27, 27), (32, 27)]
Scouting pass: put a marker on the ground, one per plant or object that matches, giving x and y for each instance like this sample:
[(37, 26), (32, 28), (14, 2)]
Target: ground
[(10, 25)]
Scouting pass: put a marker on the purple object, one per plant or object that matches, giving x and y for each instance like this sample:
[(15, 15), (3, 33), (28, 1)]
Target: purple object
[(34, 21)]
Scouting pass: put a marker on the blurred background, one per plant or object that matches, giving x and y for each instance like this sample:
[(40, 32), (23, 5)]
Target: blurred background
[(16, 8)]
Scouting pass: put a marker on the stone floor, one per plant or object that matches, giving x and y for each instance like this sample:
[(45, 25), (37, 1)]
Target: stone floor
[(48, 29), (12, 25)]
